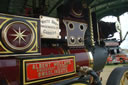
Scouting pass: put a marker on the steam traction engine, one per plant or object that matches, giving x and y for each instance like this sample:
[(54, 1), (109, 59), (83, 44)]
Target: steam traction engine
[(61, 47)]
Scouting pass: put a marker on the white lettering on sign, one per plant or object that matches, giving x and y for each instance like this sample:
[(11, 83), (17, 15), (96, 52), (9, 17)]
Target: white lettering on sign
[(50, 27)]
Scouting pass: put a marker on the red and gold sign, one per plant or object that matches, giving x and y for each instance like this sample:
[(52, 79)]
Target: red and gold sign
[(46, 69)]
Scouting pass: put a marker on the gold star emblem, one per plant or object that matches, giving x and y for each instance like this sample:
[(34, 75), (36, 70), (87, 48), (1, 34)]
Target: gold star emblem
[(19, 35)]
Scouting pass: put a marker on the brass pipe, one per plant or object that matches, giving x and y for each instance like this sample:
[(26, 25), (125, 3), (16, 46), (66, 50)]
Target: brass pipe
[(91, 27)]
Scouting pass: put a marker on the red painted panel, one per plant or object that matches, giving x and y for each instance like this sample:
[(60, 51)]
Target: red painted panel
[(72, 51), (45, 69), (10, 71), (82, 56), (50, 51), (82, 59)]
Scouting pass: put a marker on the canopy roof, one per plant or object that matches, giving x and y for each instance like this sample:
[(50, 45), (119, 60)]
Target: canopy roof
[(104, 8), (108, 7), (100, 7)]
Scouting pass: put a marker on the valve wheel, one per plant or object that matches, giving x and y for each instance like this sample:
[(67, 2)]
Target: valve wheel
[(119, 76)]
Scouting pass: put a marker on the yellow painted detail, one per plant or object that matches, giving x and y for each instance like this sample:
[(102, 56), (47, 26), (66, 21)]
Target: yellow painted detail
[(36, 42), (31, 50), (6, 50), (6, 19), (78, 84)]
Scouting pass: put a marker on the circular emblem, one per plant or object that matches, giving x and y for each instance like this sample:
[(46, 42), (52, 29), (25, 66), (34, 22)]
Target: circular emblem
[(18, 36)]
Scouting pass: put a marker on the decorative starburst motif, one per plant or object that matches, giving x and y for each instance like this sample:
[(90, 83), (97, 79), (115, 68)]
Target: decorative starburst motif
[(19, 35)]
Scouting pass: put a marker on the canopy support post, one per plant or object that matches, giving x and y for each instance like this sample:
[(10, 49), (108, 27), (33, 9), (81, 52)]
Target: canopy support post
[(121, 38)]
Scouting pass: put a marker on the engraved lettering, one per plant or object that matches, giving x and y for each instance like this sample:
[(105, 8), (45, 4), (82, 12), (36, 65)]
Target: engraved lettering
[(45, 21), (42, 73), (40, 66), (49, 32), (50, 68), (54, 22), (33, 67), (39, 74)]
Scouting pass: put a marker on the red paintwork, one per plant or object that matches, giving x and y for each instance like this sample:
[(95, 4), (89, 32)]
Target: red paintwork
[(10, 71), (45, 69), (118, 58), (114, 60), (109, 59), (122, 57), (82, 58), (51, 51)]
